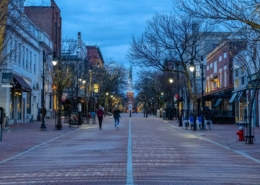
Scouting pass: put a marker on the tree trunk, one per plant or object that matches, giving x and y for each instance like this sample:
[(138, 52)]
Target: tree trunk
[(59, 96)]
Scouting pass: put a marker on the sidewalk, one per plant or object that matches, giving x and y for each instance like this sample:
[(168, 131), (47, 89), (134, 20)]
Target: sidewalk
[(225, 135), (20, 137)]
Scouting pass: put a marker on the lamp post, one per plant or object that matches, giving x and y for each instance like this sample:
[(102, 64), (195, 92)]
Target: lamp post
[(192, 68), (170, 114), (44, 55), (106, 102)]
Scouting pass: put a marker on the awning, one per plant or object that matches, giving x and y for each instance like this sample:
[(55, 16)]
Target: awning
[(232, 98), (21, 83), (240, 95), (217, 102)]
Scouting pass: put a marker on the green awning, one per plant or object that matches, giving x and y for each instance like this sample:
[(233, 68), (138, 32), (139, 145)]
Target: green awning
[(240, 95), (217, 102), (232, 98)]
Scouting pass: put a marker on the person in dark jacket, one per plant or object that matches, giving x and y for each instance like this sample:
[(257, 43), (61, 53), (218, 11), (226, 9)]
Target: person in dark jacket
[(116, 115), (100, 114)]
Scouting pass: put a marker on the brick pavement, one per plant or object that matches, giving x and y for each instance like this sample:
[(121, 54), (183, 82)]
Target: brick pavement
[(162, 153)]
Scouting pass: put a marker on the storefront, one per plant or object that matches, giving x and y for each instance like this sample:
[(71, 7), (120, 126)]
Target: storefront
[(20, 101)]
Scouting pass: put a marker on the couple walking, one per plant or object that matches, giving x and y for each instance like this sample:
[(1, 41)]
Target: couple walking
[(116, 114)]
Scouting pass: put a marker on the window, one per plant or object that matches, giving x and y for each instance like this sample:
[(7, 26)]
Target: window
[(207, 67), (242, 70), (225, 55), (220, 58), (236, 83), (27, 59), (236, 73), (23, 54), (215, 67), (242, 80), (20, 55), (15, 53), (30, 61), (34, 64), (211, 65)]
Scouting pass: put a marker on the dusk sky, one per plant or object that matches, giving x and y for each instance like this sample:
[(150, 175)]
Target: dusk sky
[(109, 24)]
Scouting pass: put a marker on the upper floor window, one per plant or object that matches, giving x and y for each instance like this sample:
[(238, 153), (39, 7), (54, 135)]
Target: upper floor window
[(215, 67), (220, 58), (242, 80), (34, 64), (236, 73), (242, 70), (210, 65), (225, 55)]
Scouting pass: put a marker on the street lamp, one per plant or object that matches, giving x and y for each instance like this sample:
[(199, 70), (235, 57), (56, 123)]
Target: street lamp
[(106, 102), (43, 125), (192, 68)]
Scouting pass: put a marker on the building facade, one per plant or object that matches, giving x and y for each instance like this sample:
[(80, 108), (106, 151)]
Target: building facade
[(23, 48)]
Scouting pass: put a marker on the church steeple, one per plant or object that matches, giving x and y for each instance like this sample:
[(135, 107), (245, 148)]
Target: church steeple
[(129, 85), (130, 73)]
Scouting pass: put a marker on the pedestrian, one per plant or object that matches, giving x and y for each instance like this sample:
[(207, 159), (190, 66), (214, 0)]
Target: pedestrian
[(116, 114), (100, 114), (144, 112)]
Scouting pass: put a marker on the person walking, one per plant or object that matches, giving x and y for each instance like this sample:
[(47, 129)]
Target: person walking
[(100, 114), (116, 114)]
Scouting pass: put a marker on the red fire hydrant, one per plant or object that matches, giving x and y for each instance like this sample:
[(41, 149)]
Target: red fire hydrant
[(240, 134)]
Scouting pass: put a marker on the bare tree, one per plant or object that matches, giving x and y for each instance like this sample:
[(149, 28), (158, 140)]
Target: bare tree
[(232, 12), (168, 41)]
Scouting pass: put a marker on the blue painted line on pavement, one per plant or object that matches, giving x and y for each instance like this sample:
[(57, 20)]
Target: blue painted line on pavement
[(206, 139), (129, 168)]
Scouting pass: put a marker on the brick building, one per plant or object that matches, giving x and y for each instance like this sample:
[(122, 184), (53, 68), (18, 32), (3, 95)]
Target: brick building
[(219, 80), (94, 56), (48, 19)]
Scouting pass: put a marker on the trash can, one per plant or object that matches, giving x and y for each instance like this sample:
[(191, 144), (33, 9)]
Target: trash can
[(158, 114), (164, 114)]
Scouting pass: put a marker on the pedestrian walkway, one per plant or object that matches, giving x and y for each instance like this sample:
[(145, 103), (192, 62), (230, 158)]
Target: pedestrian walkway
[(142, 151)]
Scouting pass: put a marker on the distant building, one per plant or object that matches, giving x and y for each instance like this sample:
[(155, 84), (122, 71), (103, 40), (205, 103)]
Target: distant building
[(94, 56)]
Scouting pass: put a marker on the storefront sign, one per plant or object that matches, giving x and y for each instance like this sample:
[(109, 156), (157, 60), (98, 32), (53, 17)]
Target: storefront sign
[(7, 78)]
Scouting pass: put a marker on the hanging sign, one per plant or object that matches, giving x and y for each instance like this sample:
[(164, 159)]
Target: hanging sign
[(7, 77)]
